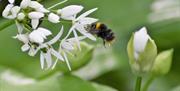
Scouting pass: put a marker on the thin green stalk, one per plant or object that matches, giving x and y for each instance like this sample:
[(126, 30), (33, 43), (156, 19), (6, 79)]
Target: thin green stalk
[(138, 84), (148, 83), (57, 4)]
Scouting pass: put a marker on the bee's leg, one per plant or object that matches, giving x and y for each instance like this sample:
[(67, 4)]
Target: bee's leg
[(104, 43)]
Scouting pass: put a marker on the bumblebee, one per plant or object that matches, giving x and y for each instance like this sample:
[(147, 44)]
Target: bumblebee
[(102, 31)]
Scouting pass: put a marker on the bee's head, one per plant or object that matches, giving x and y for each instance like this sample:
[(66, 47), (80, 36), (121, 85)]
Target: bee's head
[(88, 27)]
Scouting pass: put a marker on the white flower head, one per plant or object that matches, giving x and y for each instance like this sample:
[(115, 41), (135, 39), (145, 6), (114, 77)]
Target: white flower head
[(53, 18), (39, 35), (35, 16), (140, 40), (69, 12)]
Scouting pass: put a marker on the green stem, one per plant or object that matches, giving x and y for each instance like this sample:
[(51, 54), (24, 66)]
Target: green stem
[(148, 83), (57, 4), (6, 24), (138, 84)]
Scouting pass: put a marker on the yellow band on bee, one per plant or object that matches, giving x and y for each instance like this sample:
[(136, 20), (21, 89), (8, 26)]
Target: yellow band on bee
[(98, 25)]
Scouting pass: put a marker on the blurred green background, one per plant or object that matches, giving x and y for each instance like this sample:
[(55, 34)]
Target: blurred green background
[(106, 68)]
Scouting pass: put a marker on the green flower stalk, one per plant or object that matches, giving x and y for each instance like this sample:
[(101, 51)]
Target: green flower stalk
[(142, 52)]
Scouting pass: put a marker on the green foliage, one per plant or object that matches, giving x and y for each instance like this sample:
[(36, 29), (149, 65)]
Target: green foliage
[(162, 64), (123, 17)]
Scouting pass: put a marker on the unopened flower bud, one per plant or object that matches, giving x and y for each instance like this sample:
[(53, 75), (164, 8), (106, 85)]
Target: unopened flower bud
[(142, 51), (162, 63)]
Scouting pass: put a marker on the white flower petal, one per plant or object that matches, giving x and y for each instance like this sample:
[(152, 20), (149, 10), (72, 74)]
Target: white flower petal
[(7, 11), (77, 40), (67, 61), (69, 18), (11, 1), (67, 46), (48, 59), (22, 37), (15, 10), (20, 27), (35, 15), (81, 29), (56, 54), (140, 40), (34, 23), (73, 39), (42, 60), (87, 20), (44, 31), (32, 52), (53, 18), (42, 9), (57, 37), (35, 5), (35, 37), (21, 16), (25, 47), (70, 11), (25, 3), (86, 14)]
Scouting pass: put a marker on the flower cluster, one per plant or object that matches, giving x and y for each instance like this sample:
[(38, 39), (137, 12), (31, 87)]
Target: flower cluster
[(28, 17)]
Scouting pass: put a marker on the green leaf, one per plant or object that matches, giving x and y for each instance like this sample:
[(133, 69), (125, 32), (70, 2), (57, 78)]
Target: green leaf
[(58, 82), (5, 23), (163, 63), (102, 87), (177, 88)]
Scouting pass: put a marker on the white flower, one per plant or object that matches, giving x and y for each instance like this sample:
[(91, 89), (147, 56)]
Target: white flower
[(80, 23), (38, 7), (25, 3), (10, 11), (53, 18), (46, 55), (20, 16), (39, 35), (140, 40), (20, 27), (142, 52), (23, 38), (66, 46), (48, 51), (11, 1), (35, 16), (70, 44), (69, 12)]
